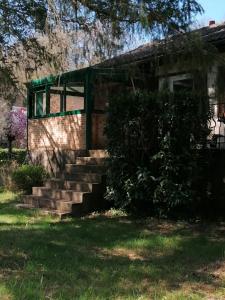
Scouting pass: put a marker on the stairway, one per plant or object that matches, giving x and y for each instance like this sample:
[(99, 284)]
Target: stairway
[(78, 190)]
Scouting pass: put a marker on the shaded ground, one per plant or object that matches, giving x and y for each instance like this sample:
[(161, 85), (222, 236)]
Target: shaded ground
[(106, 257)]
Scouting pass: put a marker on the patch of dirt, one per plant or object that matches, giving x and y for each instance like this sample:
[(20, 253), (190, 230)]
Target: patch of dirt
[(121, 252), (215, 270)]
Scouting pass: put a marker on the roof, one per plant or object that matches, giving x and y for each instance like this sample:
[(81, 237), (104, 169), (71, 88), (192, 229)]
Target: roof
[(60, 79), (214, 34)]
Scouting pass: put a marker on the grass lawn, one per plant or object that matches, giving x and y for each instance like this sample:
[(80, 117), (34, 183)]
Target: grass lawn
[(107, 257)]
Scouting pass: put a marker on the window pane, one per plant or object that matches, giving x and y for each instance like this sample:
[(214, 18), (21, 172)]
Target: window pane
[(74, 103), (56, 98), (40, 104), (55, 101), (75, 88), (183, 85), (74, 96)]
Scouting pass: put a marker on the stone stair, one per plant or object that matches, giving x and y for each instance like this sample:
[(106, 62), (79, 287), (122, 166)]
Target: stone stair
[(78, 190)]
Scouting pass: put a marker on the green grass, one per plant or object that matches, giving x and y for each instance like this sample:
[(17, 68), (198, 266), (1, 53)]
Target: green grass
[(107, 257)]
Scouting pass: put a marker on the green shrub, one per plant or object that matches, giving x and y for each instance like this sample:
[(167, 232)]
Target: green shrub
[(7, 167), (27, 176), (153, 142), (18, 155)]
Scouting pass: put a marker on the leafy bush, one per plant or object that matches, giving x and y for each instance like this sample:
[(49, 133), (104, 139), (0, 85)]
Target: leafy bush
[(19, 155), (6, 169), (27, 176), (154, 141), (9, 165)]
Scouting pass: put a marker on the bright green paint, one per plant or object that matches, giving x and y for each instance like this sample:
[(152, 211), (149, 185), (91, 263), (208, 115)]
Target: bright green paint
[(61, 114)]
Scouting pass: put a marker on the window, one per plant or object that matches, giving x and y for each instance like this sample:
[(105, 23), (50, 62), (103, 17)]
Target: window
[(177, 83), (182, 85), (74, 96), (59, 98), (56, 99), (40, 103)]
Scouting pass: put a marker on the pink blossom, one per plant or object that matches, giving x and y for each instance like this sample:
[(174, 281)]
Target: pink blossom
[(17, 125)]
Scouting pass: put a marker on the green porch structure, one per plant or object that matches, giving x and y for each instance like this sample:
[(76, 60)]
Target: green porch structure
[(67, 113), (73, 93)]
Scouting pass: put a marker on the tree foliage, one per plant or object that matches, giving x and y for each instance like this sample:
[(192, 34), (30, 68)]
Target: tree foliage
[(3, 114), (13, 125), (20, 19), (16, 126), (95, 29)]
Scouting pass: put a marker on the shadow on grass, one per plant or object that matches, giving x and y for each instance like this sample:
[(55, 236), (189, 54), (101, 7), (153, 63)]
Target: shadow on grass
[(103, 258)]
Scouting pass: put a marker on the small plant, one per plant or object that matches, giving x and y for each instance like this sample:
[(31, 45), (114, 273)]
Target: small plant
[(27, 176), (113, 212), (7, 167)]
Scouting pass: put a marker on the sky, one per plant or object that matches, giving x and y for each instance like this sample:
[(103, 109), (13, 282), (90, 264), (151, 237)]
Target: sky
[(214, 10)]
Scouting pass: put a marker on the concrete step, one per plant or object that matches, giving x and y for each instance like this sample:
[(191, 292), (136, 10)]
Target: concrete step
[(53, 207), (31, 201), (53, 212), (84, 186), (78, 186), (56, 213), (73, 168), (23, 205), (77, 191), (40, 202), (71, 185), (83, 177), (66, 195), (98, 153), (90, 203), (91, 160), (62, 207), (54, 183), (48, 203)]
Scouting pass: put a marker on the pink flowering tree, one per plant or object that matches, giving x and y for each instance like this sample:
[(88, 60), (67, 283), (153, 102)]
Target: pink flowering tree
[(16, 127)]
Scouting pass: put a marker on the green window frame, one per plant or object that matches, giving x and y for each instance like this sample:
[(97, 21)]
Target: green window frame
[(39, 103)]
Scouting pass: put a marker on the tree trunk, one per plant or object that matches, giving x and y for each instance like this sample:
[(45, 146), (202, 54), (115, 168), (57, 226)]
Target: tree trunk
[(10, 140)]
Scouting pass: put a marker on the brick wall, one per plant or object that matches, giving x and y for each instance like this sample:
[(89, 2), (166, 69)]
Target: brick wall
[(65, 132), (54, 103), (103, 91), (56, 140), (74, 103), (99, 139)]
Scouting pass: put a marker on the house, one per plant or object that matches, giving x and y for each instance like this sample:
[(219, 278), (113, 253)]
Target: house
[(67, 113)]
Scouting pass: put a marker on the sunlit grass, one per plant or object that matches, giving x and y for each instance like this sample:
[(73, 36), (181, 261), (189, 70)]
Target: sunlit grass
[(6, 196), (107, 256)]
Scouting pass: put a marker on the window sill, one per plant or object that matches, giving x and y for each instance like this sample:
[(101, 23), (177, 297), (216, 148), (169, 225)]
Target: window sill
[(59, 114)]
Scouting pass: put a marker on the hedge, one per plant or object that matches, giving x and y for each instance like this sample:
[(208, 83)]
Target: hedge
[(18, 155)]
